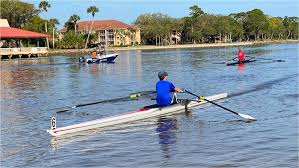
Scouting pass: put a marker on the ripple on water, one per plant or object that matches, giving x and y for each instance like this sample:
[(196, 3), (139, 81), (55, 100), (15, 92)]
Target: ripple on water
[(207, 137)]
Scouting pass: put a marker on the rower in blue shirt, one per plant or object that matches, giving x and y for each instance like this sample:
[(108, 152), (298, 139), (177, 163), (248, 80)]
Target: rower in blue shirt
[(163, 89)]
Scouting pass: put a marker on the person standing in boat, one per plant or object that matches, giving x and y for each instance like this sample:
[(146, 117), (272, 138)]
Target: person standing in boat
[(163, 89), (241, 55), (94, 54)]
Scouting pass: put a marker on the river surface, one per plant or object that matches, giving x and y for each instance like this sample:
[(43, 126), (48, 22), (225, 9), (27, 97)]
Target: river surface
[(32, 91)]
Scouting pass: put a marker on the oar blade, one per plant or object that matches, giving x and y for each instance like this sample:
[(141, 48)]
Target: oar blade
[(62, 110), (247, 117)]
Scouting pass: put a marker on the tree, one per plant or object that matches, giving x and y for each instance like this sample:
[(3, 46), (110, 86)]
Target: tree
[(35, 24), (17, 13), (207, 28), (92, 10), (71, 41), (146, 23), (53, 22), (291, 26), (275, 27), (238, 25), (156, 28), (74, 19), (256, 23), (43, 6), (195, 13)]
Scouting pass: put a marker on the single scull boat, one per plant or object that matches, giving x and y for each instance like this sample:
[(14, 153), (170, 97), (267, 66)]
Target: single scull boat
[(239, 62), (140, 114)]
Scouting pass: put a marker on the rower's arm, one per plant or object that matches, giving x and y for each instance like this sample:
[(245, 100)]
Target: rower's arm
[(178, 89)]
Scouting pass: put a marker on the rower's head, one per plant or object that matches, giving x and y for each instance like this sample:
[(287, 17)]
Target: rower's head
[(162, 75)]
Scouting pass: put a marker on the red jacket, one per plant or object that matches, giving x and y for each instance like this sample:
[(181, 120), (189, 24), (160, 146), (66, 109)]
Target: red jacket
[(241, 55)]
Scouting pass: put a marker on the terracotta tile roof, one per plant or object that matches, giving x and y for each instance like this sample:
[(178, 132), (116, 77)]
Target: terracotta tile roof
[(10, 32), (100, 25)]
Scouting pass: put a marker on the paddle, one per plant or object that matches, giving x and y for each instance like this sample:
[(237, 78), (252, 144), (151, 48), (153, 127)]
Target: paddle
[(132, 96), (246, 117)]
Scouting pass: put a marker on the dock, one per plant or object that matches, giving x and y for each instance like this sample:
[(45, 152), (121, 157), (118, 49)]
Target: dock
[(23, 52)]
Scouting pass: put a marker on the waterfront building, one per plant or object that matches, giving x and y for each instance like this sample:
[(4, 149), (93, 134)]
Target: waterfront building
[(19, 43), (108, 32)]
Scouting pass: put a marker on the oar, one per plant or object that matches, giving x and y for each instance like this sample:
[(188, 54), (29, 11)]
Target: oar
[(231, 59), (132, 96), (269, 59), (246, 117), (225, 61)]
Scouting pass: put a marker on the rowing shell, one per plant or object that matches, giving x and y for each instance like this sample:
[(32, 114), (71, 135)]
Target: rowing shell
[(240, 62), (129, 117)]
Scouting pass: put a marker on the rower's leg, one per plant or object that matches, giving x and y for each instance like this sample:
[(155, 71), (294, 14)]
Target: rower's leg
[(174, 99)]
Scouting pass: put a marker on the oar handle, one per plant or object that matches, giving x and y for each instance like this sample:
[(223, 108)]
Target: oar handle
[(190, 93)]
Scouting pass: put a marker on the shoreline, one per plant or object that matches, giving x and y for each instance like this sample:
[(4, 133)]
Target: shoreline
[(147, 47), (151, 47)]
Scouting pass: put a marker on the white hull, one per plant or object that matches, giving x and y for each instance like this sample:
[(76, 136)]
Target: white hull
[(129, 117), (102, 58)]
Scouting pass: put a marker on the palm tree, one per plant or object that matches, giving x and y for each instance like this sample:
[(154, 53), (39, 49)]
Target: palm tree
[(74, 19), (53, 22), (43, 6), (92, 10)]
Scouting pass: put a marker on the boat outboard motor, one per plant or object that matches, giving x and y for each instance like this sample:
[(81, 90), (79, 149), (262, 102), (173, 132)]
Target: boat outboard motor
[(81, 59)]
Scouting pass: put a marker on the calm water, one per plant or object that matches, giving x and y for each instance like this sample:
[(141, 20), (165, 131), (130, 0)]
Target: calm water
[(209, 137)]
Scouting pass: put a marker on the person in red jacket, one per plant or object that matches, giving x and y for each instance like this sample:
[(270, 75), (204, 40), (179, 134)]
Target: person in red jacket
[(241, 55)]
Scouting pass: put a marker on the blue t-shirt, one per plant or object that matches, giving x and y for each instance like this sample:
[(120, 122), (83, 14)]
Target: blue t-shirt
[(163, 89)]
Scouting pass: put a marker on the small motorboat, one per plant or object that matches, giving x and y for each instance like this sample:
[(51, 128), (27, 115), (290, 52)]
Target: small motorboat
[(99, 55), (103, 58)]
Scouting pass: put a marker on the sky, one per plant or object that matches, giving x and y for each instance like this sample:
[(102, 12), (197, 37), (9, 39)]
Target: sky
[(128, 10)]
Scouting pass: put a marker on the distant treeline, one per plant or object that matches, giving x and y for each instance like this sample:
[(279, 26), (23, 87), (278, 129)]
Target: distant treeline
[(200, 27), (157, 28)]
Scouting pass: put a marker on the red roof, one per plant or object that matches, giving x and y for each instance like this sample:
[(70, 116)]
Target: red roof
[(100, 25), (10, 32)]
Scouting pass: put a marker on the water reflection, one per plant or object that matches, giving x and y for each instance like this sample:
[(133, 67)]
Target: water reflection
[(14, 81), (166, 131), (241, 67)]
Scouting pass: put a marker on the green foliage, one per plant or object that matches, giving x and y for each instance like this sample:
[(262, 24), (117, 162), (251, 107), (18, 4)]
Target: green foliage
[(53, 22), (256, 23), (73, 20), (195, 11), (44, 5), (71, 41), (35, 24), (275, 27), (200, 27), (16, 12), (92, 10), (156, 27), (291, 27)]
